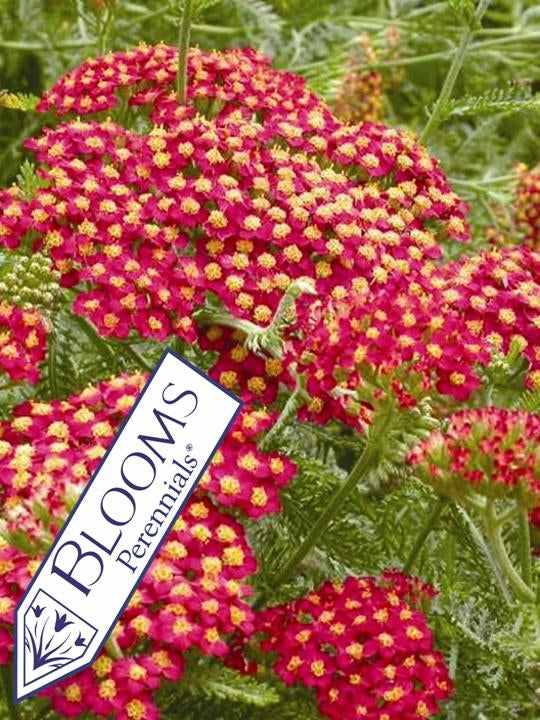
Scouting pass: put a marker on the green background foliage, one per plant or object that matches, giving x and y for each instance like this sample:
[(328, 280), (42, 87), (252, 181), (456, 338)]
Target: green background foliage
[(488, 124)]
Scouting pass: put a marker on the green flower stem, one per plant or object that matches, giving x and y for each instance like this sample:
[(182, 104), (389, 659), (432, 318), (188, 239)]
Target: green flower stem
[(183, 46), (214, 29), (426, 529), (494, 535), (19, 45), (105, 27), (6, 674), (51, 364), (144, 16), (525, 548), (113, 648), (442, 54), (364, 465), (453, 72), (496, 180), (488, 553)]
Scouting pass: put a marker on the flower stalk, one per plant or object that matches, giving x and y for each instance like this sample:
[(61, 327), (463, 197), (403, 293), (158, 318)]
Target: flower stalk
[(453, 73), (424, 533), (113, 648), (294, 402), (52, 364), (525, 548), (183, 46), (367, 461), (487, 551), (6, 674), (493, 528)]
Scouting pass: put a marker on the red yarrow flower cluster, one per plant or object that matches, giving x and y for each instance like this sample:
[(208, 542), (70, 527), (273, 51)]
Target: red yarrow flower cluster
[(495, 295), (122, 688), (238, 78), (246, 478), (145, 226), (342, 343), (489, 451), (363, 646), (444, 327)]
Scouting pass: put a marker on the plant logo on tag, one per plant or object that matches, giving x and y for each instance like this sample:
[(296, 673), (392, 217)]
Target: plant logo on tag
[(119, 523)]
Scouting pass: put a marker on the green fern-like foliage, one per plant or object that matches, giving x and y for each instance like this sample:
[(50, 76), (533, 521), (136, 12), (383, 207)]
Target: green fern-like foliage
[(498, 101)]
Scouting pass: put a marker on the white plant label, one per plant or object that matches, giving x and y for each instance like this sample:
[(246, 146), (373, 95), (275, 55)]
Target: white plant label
[(119, 523)]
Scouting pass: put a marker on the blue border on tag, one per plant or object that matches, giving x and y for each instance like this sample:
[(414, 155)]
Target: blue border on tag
[(166, 352)]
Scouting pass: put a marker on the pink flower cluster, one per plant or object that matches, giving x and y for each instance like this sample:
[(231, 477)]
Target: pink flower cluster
[(363, 646), (232, 198), (195, 592), (495, 295), (236, 79), (443, 329), (244, 477), (144, 226), (489, 451)]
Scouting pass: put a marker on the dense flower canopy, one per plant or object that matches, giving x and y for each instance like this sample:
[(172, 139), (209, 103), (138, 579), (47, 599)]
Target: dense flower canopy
[(253, 186), (238, 196), (49, 450), (444, 328), (195, 592)]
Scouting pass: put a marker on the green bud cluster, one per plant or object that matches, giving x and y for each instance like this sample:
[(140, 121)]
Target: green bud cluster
[(32, 282)]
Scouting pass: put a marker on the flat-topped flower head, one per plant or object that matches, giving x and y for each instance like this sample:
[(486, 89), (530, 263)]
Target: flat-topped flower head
[(362, 645), (238, 78), (250, 187)]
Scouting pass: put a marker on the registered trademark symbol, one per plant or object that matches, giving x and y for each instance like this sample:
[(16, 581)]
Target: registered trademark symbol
[(189, 447)]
